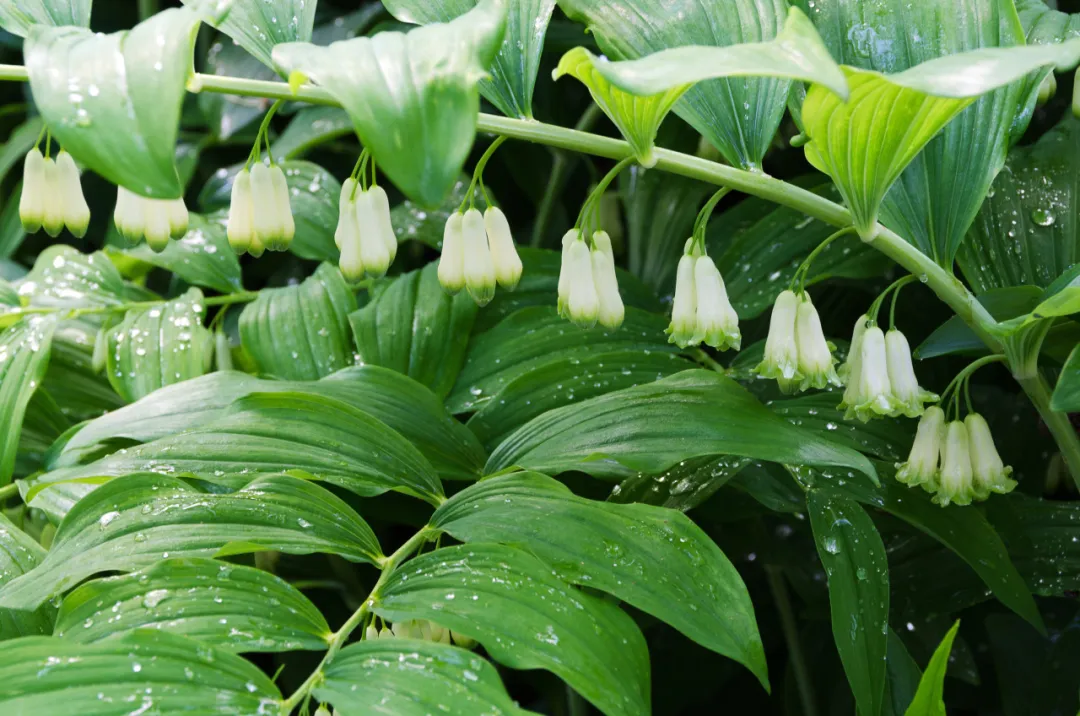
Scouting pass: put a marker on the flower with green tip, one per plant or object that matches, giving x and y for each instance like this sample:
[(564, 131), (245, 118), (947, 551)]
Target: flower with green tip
[(156, 220), (683, 326), (70, 194), (716, 323), (816, 362), (956, 483), (910, 398), (612, 311), (241, 227), (383, 224), (347, 234), (924, 460), (504, 253), (583, 303), (781, 359), (568, 240), (373, 251), (991, 474), (870, 391), (452, 261), (34, 192), (479, 266)]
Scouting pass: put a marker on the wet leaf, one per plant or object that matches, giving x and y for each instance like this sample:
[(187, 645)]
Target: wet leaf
[(18, 16), (259, 25), (24, 356)]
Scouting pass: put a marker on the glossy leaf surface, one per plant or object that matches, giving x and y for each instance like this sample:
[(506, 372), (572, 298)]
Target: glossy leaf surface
[(24, 356)]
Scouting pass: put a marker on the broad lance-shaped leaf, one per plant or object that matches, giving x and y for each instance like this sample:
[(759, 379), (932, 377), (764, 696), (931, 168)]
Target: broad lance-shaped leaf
[(19, 554), (133, 522), (423, 84), (399, 402), (259, 25), (526, 619), (662, 563), (309, 128), (408, 677), (113, 101), (18, 16), (156, 672), (276, 432), (301, 332), (159, 346), (233, 607), (24, 357), (417, 329), (1066, 397), (858, 571), (62, 277), (652, 427), (513, 71), (929, 698)]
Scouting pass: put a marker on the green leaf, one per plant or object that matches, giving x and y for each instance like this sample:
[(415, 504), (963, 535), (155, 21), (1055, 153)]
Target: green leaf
[(310, 127), (738, 116), (858, 570), (42, 425), (1066, 397), (414, 327), (535, 337), (818, 413), (758, 245), (11, 228), (232, 607), (313, 199), (402, 404), (301, 332), (278, 432), (684, 485), (1040, 535), (408, 677), (513, 71), (903, 677), (651, 427), (259, 25), (955, 336), (64, 278), (18, 16), (24, 356), (135, 521), (422, 83), (655, 559), (227, 114), (1026, 232), (526, 619), (425, 225), (79, 390), (113, 101), (1044, 25), (202, 257), (929, 699), (553, 385), (37, 674), (18, 555), (159, 346)]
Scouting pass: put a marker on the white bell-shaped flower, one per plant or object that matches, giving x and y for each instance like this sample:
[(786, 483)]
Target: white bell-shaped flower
[(816, 362), (76, 212), (504, 253), (717, 324), (156, 225), (282, 209), (850, 366), (347, 235), (568, 240), (583, 305), (384, 226), (156, 220), (871, 391), (128, 215), (409, 629), (373, 250), (905, 386), (956, 483), (53, 221), (781, 360), (262, 194), (241, 226), (452, 261), (479, 266), (611, 311), (989, 472), (35, 190), (345, 208), (683, 325), (923, 463)]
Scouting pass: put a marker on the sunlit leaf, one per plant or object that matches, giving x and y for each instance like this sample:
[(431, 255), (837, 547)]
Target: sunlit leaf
[(232, 607), (113, 101), (135, 521), (513, 71), (24, 356), (655, 559), (259, 25), (18, 16), (423, 84), (526, 619)]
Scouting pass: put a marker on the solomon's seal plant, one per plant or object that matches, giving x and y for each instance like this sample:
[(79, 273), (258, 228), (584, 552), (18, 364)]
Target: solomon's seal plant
[(351, 364)]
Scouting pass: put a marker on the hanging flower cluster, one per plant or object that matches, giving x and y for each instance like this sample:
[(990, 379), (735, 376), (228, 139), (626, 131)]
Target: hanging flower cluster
[(796, 352), (418, 629), (880, 375), (588, 287), (478, 252), (260, 216), (52, 196), (156, 220), (702, 312), (364, 235)]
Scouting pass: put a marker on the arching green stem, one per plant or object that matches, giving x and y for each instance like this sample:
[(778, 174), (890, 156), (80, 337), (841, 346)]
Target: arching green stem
[(478, 172), (799, 277)]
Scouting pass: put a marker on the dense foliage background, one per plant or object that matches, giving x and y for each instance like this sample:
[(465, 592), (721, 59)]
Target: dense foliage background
[(1008, 569)]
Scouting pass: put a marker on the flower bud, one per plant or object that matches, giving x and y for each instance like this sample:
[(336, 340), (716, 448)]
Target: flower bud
[(347, 237), (452, 261), (851, 365), (76, 212), (479, 266), (905, 386), (373, 251), (872, 392), (128, 215), (409, 629), (157, 229), (256, 249), (53, 221), (956, 482), (266, 220), (815, 357), (611, 311), (380, 208), (345, 209), (241, 226), (568, 240), (989, 472), (503, 252), (717, 322), (286, 226), (781, 359), (322, 711), (34, 192), (683, 325), (583, 305), (371, 632), (922, 464), (178, 217)]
